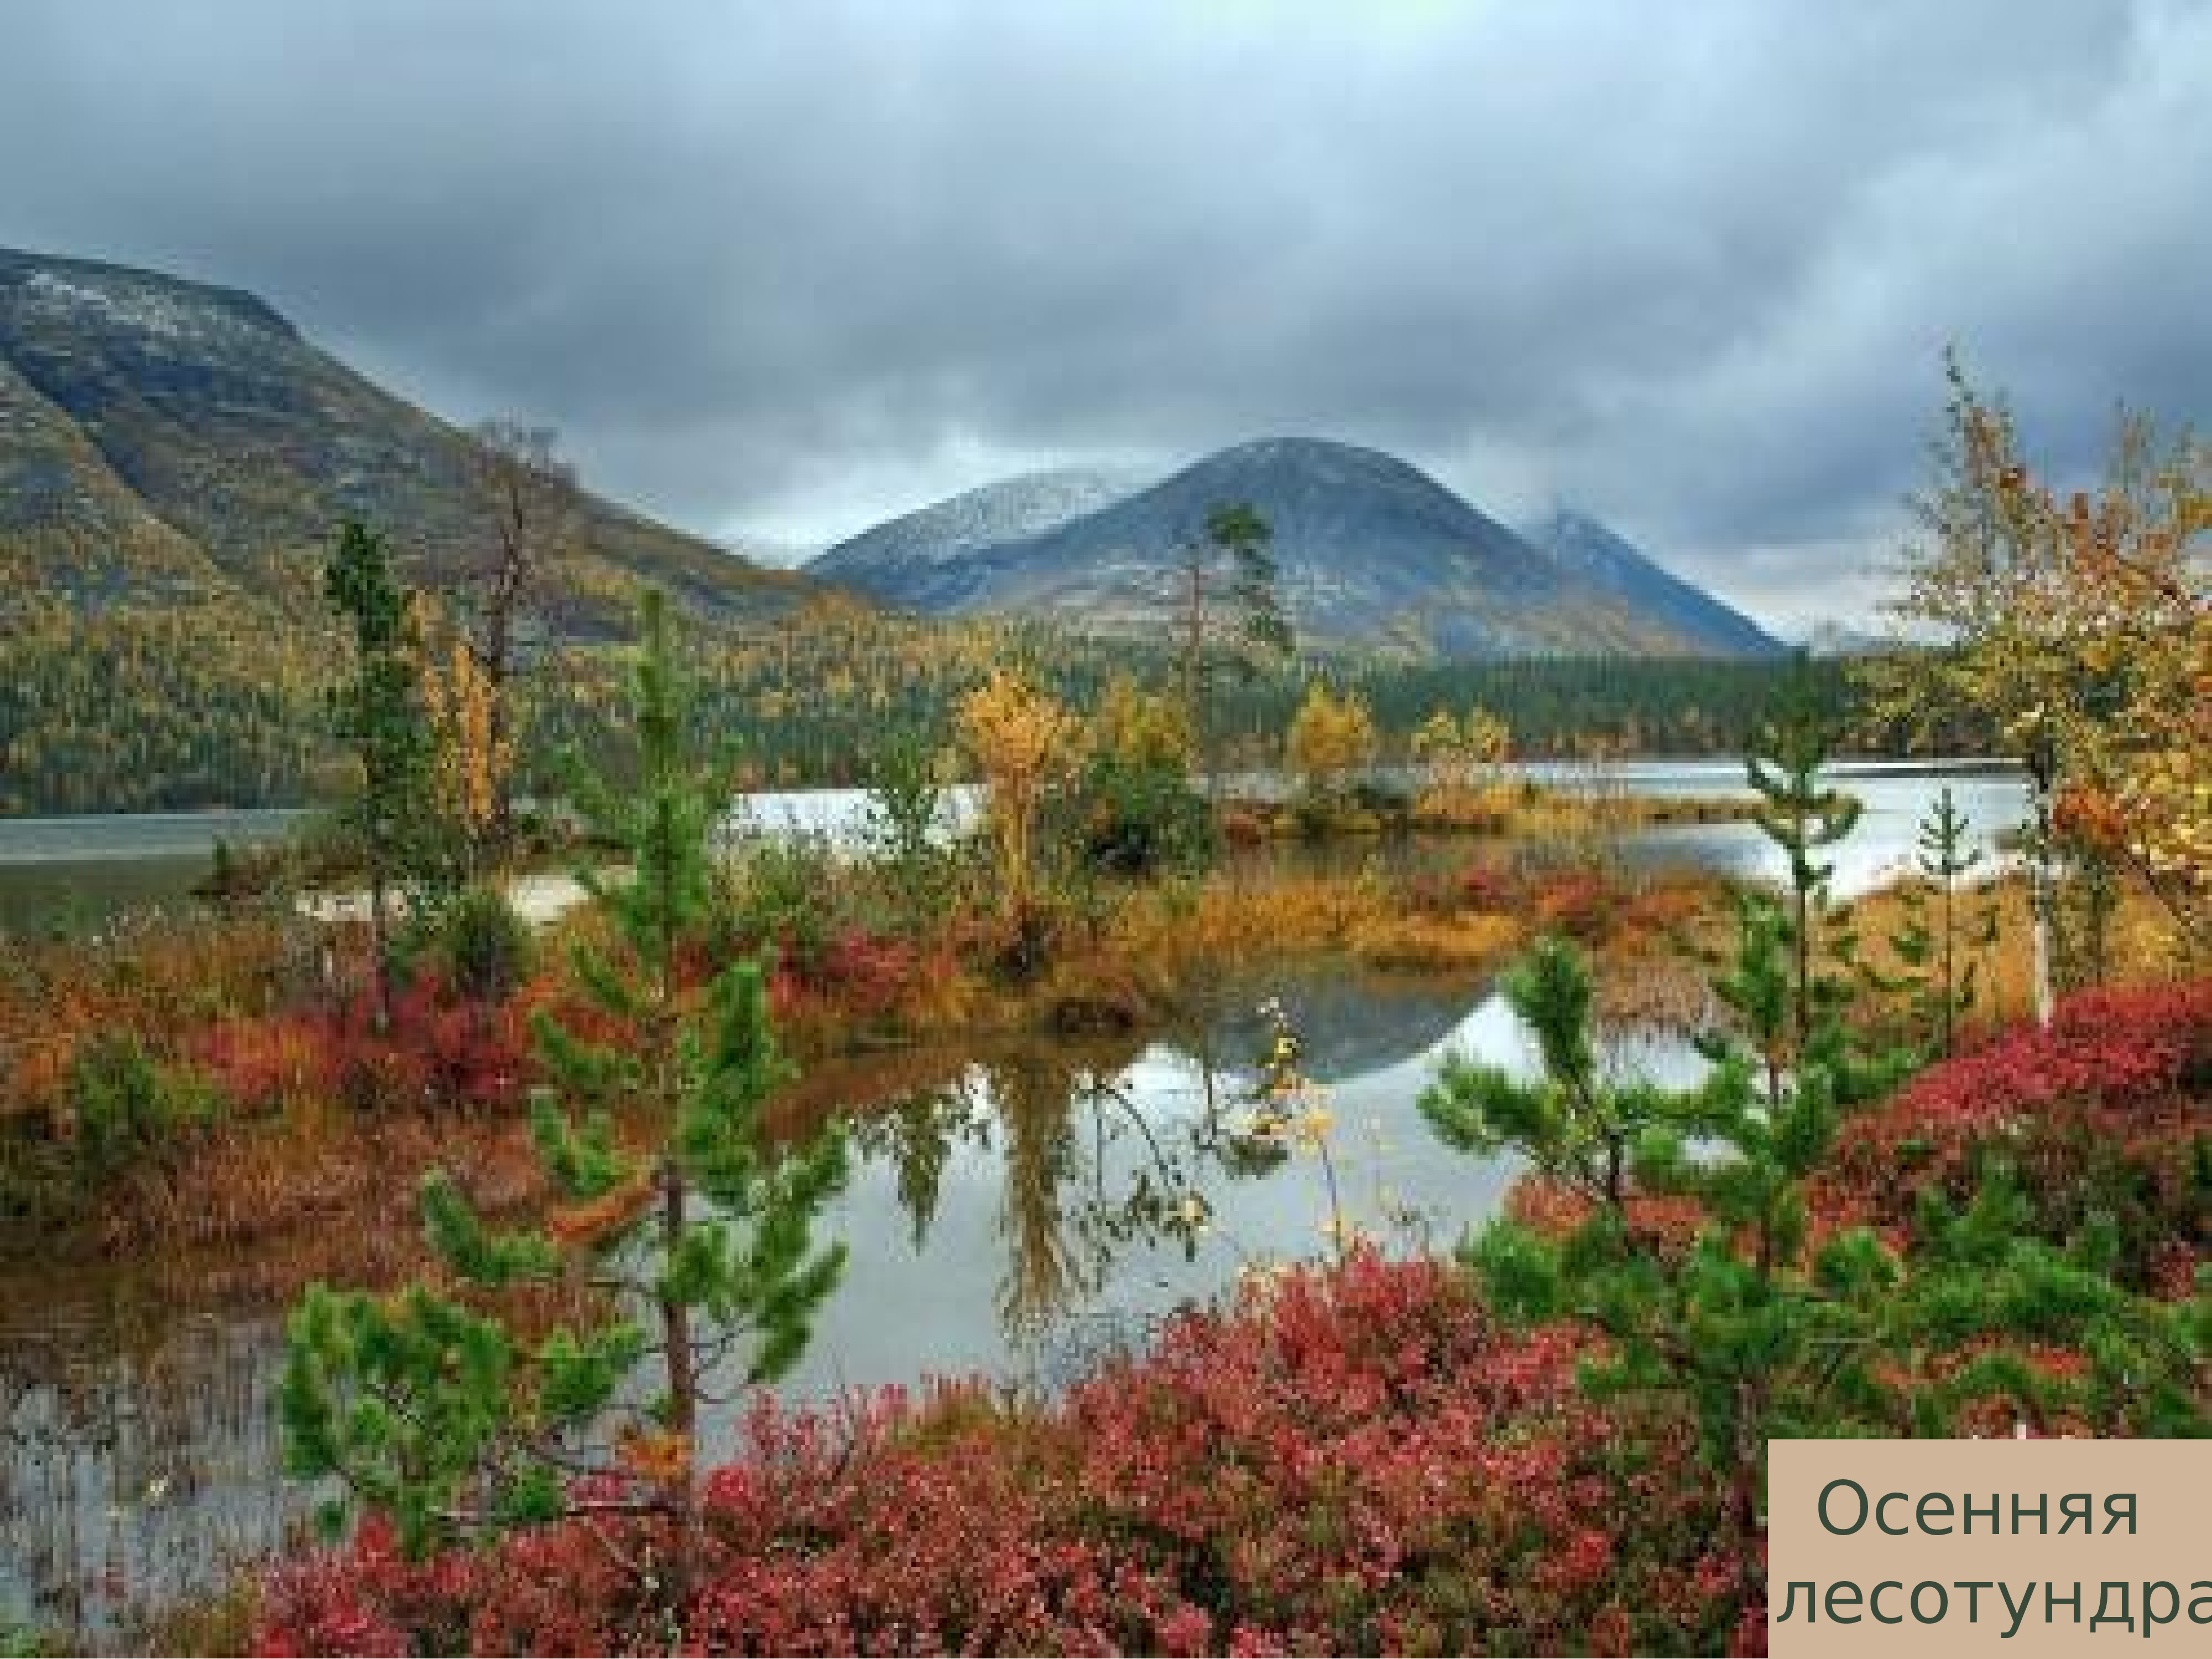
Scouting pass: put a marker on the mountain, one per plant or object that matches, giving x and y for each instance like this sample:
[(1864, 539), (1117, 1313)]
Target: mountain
[(1841, 640), (901, 555), (1579, 544), (163, 439), (1373, 554)]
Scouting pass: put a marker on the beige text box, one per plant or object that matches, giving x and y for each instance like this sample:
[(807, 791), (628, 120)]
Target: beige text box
[(2168, 1481)]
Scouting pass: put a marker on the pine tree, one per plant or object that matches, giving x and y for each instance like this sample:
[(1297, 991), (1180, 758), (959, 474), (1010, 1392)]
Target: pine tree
[(445, 1415), (1936, 942), (1802, 813), (1231, 613), (1765, 1331), (379, 717)]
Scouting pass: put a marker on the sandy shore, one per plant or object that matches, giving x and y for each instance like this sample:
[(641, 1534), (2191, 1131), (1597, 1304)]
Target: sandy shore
[(537, 899)]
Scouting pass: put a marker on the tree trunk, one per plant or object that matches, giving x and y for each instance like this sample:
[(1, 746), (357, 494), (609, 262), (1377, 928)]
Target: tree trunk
[(379, 942), (680, 1478), (1946, 1024), (1193, 675), (2041, 893)]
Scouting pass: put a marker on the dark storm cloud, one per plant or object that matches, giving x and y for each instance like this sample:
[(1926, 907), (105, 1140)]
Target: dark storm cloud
[(794, 267)]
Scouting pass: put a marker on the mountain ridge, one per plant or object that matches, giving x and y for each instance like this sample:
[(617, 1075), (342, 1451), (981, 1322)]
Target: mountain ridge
[(1372, 552), (1022, 504), (186, 424)]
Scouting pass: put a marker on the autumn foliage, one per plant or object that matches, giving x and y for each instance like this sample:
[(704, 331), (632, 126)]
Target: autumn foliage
[(1351, 1460), (440, 1050), (2104, 1108)]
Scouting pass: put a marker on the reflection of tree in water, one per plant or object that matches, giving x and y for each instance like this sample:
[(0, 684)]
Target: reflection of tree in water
[(1094, 1165), (918, 1136), (1089, 1171), (1043, 1272), (1092, 1172)]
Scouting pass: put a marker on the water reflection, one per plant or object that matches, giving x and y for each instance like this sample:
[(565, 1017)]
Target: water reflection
[(138, 1454), (1015, 1203), (1020, 1209)]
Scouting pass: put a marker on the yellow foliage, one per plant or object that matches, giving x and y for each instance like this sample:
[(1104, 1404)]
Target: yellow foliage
[(1462, 756), (1139, 728), (2083, 628), (1330, 737), (474, 758), (1019, 739)]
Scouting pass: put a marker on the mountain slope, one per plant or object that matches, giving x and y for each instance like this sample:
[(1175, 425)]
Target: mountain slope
[(1578, 543), (1374, 555), (155, 416), (895, 558)]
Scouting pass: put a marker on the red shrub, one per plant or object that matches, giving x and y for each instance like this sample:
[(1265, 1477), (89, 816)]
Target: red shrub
[(2103, 1108), (866, 973), (2138, 1061), (1487, 887), (1576, 901), (439, 1050), (1352, 1461)]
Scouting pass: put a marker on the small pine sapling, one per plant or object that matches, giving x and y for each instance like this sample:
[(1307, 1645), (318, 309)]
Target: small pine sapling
[(1938, 943), (446, 1416), (1802, 813)]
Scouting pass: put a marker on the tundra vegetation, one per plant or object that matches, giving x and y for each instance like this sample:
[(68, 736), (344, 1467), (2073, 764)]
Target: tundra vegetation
[(1943, 1169)]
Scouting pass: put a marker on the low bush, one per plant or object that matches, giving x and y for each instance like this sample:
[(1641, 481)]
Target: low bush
[(1575, 901), (126, 1108), (1133, 818), (1348, 1460), (441, 1049), (486, 946), (2103, 1110), (783, 894)]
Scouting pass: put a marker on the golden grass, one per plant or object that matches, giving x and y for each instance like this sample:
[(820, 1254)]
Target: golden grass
[(1463, 942), (321, 1192), (160, 979), (1647, 977), (2146, 944)]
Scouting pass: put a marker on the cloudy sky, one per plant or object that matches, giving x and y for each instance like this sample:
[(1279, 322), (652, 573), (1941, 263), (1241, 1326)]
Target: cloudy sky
[(781, 270)]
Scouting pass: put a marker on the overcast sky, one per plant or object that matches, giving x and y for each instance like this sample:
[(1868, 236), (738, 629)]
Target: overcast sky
[(784, 268)]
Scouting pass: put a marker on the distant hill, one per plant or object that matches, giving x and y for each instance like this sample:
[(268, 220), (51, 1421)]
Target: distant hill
[(1374, 555), (162, 440), (1580, 543), (901, 554), (1839, 640)]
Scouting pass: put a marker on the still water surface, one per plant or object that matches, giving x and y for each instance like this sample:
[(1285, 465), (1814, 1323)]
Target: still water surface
[(1018, 1210)]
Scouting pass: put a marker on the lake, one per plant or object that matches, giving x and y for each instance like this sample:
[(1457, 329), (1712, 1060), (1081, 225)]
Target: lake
[(70, 870), (1018, 1209)]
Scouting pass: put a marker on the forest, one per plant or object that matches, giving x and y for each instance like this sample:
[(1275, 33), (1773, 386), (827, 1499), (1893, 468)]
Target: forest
[(166, 708)]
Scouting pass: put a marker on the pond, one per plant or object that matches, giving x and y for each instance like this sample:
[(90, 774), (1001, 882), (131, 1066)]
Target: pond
[(68, 872), (1017, 1209)]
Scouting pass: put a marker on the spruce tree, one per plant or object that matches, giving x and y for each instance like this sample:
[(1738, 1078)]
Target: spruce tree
[(424, 1405)]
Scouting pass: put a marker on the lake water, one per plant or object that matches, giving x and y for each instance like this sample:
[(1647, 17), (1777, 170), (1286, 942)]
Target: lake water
[(1016, 1209), (58, 870), (69, 871)]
